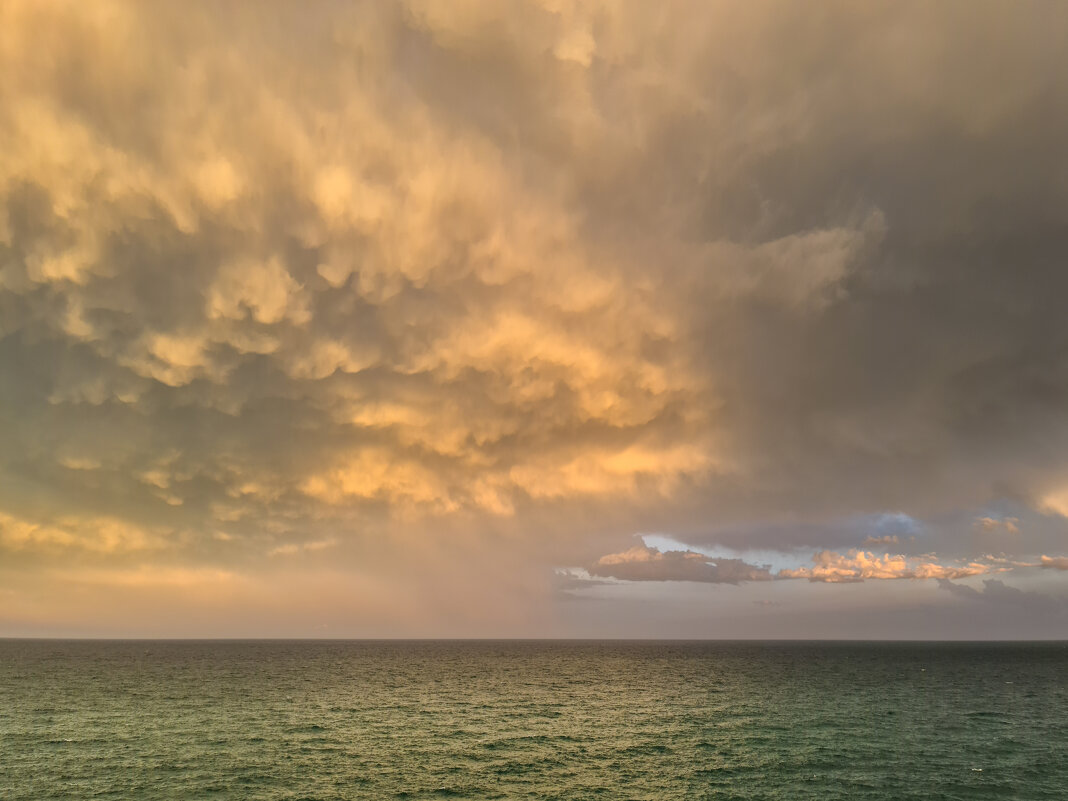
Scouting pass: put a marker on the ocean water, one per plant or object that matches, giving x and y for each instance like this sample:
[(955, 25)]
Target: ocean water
[(532, 720)]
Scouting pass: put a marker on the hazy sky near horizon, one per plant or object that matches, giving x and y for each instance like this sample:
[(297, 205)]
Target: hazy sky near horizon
[(706, 319)]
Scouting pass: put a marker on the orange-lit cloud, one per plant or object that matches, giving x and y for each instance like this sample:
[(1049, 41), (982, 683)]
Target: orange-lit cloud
[(836, 568), (1009, 525)]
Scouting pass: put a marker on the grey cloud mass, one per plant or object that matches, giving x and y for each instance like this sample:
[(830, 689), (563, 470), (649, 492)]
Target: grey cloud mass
[(999, 594), (642, 563), (443, 296)]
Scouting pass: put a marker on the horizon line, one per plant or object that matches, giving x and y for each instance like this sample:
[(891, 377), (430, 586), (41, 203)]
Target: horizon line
[(928, 641)]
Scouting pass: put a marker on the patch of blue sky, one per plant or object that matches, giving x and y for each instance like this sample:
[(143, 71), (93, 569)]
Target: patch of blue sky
[(890, 524)]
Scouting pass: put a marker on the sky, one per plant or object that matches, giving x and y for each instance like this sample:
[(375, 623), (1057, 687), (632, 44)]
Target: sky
[(534, 319)]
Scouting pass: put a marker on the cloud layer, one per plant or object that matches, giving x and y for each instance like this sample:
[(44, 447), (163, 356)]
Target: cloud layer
[(645, 563), (445, 296), (836, 568)]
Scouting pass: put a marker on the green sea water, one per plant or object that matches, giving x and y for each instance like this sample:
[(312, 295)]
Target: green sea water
[(532, 720)]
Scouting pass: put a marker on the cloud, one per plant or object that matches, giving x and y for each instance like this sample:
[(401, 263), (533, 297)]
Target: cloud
[(522, 279), (293, 548), (348, 258), (998, 593), (105, 535), (264, 290), (570, 584), (645, 563), (1055, 562), (1055, 503), (886, 539), (1009, 525), (836, 568), (642, 563)]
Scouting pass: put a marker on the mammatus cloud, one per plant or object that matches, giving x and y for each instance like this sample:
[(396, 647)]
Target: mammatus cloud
[(642, 563), (291, 310), (471, 290)]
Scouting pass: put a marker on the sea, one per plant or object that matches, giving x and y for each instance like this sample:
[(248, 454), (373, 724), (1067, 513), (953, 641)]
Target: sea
[(532, 720)]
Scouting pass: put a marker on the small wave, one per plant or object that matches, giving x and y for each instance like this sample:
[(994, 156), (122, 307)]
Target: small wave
[(305, 729), (985, 714), (648, 748)]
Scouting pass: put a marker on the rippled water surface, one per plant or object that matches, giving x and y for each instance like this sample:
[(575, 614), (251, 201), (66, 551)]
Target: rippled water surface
[(539, 720)]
